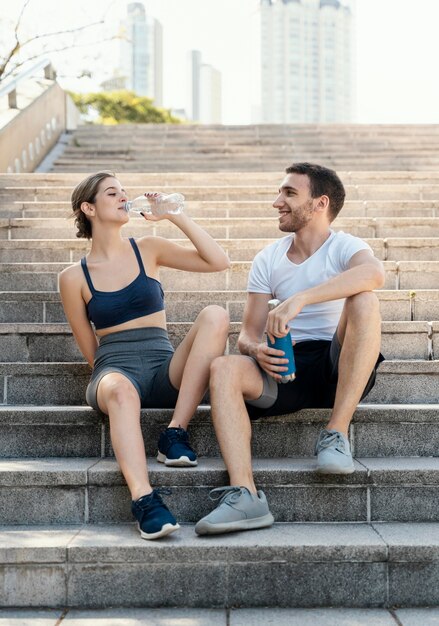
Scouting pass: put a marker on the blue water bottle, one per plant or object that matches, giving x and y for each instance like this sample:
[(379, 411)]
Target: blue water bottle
[(285, 344)]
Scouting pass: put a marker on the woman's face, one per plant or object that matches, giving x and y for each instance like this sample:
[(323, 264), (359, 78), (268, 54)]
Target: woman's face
[(110, 200)]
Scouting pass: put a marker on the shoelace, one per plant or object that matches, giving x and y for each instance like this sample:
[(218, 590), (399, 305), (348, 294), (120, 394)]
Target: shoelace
[(153, 499), (231, 493), (178, 435), (330, 439)]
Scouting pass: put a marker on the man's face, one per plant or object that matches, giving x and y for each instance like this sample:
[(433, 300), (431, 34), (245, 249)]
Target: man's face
[(294, 203)]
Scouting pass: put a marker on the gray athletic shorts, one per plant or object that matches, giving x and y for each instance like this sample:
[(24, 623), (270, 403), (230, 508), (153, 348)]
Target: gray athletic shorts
[(315, 384), (142, 355)]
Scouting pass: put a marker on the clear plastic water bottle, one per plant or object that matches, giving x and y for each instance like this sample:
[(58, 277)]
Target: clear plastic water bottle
[(156, 204), (286, 345)]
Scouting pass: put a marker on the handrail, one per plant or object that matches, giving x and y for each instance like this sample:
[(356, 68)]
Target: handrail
[(10, 89)]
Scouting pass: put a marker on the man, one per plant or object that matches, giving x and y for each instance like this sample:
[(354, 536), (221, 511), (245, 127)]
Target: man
[(325, 281)]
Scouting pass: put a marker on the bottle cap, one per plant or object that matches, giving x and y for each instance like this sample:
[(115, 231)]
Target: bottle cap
[(272, 304)]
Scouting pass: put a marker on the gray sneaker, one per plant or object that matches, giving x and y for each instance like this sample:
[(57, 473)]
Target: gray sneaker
[(238, 509), (333, 453)]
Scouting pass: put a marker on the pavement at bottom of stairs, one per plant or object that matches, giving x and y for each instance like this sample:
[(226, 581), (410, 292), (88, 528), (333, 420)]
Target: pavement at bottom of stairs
[(220, 617)]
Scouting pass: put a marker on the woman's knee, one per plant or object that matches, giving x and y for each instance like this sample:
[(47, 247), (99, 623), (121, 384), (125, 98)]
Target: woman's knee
[(116, 389), (215, 316)]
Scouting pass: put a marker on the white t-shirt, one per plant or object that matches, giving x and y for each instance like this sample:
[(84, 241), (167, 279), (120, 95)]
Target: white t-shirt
[(273, 273)]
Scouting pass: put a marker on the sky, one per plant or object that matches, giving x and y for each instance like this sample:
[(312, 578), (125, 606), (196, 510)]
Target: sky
[(396, 50)]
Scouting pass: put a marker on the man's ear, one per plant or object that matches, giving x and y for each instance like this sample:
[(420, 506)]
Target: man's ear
[(87, 208), (322, 204)]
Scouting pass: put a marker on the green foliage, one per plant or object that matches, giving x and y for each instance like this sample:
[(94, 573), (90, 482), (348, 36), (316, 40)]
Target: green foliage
[(121, 107)]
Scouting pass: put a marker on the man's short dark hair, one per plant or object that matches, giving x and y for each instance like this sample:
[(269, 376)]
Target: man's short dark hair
[(322, 182)]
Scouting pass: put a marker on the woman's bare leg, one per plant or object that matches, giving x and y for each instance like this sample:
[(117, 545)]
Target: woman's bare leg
[(118, 398), (190, 365)]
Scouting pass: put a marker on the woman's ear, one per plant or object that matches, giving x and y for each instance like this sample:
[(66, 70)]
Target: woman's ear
[(87, 208)]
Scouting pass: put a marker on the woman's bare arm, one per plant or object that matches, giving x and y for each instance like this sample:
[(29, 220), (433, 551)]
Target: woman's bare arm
[(208, 255), (70, 286)]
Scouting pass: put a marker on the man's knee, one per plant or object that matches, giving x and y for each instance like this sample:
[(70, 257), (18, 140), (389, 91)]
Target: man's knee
[(236, 374), (226, 368), (363, 305), (222, 367)]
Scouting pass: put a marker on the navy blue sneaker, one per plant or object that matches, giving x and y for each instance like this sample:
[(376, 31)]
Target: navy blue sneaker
[(175, 450), (153, 516)]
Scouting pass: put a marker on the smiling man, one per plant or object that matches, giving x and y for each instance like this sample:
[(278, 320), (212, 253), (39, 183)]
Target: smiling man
[(325, 281)]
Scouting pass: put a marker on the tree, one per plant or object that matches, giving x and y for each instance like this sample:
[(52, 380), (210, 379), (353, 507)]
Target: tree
[(19, 49), (121, 107)]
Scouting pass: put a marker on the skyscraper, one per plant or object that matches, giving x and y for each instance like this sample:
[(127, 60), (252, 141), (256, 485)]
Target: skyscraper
[(210, 95), (306, 61), (205, 91), (194, 85), (142, 53)]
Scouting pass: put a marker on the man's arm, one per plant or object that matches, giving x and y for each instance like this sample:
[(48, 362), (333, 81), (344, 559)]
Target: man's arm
[(364, 273), (250, 341)]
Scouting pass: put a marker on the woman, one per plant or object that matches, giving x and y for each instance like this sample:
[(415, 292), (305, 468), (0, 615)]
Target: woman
[(116, 286)]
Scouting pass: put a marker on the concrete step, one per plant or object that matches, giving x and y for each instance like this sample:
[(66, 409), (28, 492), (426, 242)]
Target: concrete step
[(71, 250), (93, 490), (239, 146), (247, 209), (237, 142), (346, 135), (242, 154), (344, 616), (45, 342), (39, 179), (242, 145), (190, 155), (24, 383), (366, 192), (54, 342), (410, 275), (255, 164), (224, 228), (247, 153), (227, 161), (362, 565), (75, 431), (35, 307), (238, 139), (350, 130)]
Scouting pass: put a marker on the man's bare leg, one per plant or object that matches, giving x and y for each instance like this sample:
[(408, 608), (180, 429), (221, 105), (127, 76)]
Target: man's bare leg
[(359, 333), (241, 507), (233, 378)]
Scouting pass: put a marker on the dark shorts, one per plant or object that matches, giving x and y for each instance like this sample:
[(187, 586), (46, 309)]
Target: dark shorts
[(315, 384), (142, 355)]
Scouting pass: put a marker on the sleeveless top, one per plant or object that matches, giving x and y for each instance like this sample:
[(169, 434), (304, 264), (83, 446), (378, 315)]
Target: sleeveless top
[(141, 297)]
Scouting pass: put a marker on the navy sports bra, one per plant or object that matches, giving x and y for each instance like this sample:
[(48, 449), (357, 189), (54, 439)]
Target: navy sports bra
[(141, 297)]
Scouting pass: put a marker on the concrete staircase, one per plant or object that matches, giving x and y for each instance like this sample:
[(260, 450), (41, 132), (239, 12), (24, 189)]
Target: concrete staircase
[(184, 148), (367, 540)]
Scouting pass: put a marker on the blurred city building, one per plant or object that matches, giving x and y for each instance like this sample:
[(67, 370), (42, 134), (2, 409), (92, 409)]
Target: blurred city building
[(205, 91), (142, 53), (115, 83), (306, 61)]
